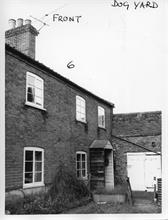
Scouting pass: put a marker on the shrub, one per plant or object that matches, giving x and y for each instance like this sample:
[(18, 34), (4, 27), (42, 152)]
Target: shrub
[(66, 192), (65, 184)]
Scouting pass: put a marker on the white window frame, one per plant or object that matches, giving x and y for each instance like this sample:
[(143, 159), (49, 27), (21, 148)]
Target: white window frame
[(33, 104), (33, 184), (80, 109), (80, 170), (100, 123)]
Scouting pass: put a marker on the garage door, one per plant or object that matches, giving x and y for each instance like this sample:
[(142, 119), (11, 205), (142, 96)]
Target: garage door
[(141, 169)]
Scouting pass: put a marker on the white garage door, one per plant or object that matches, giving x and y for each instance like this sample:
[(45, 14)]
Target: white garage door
[(141, 169)]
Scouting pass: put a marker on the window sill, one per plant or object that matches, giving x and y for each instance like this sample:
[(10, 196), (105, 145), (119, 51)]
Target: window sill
[(33, 185), (83, 178), (83, 122), (99, 127), (35, 106)]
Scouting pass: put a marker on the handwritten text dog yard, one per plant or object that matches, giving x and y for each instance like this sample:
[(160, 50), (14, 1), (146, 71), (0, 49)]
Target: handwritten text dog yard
[(135, 4)]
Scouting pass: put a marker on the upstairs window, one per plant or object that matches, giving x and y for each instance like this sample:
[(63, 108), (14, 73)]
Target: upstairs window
[(101, 117), (81, 165), (80, 109), (34, 90), (33, 167)]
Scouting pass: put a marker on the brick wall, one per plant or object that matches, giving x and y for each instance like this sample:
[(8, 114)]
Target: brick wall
[(143, 129), (55, 130), (148, 123)]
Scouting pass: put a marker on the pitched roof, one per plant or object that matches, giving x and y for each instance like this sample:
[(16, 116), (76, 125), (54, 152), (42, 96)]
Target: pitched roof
[(52, 72)]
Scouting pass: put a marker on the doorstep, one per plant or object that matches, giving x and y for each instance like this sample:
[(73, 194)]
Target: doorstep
[(114, 198)]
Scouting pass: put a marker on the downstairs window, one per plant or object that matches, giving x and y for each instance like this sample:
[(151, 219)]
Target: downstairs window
[(33, 174)]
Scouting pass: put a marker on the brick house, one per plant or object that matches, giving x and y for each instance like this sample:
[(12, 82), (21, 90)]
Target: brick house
[(136, 138), (50, 120)]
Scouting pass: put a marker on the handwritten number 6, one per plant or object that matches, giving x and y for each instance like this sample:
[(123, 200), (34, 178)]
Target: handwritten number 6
[(70, 65)]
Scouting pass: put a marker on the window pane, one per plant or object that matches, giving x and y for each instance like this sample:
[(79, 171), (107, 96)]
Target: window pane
[(30, 94), (29, 155), (78, 173), (38, 101), (38, 155), (78, 116), (83, 173), (28, 166), (82, 118), (99, 119), (28, 177), (31, 80), (38, 92), (78, 101), (78, 165), (38, 177), (103, 120), (78, 157), (83, 157), (100, 111), (82, 110), (38, 83), (78, 108), (83, 165), (83, 104), (38, 166)]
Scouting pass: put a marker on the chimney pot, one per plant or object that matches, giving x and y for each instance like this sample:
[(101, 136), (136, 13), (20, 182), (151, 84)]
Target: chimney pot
[(12, 23), (19, 22), (27, 21)]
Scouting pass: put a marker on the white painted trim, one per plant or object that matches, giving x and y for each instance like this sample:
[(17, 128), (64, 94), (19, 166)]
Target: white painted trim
[(40, 79), (83, 100), (82, 152), (100, 108), (33, 184), (35, 106)]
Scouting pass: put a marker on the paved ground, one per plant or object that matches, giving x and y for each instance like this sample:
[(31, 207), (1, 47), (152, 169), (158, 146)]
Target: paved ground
[(141, 205)]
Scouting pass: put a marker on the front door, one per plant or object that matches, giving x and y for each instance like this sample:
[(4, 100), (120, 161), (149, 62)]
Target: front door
[(97, 168)]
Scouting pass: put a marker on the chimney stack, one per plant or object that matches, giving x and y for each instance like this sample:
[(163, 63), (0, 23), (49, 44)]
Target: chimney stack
[(22, 37)]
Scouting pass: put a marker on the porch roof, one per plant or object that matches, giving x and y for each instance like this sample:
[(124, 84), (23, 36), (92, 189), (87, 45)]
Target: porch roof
[(101, 144)]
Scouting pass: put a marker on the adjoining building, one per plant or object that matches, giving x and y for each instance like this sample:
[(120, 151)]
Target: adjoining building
[(137, 144)]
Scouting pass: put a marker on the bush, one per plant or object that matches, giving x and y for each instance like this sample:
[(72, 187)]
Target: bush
[(66, 192), (67, 185)]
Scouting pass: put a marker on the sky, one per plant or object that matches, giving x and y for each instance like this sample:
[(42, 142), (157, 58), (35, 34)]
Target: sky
[(118, 54)]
